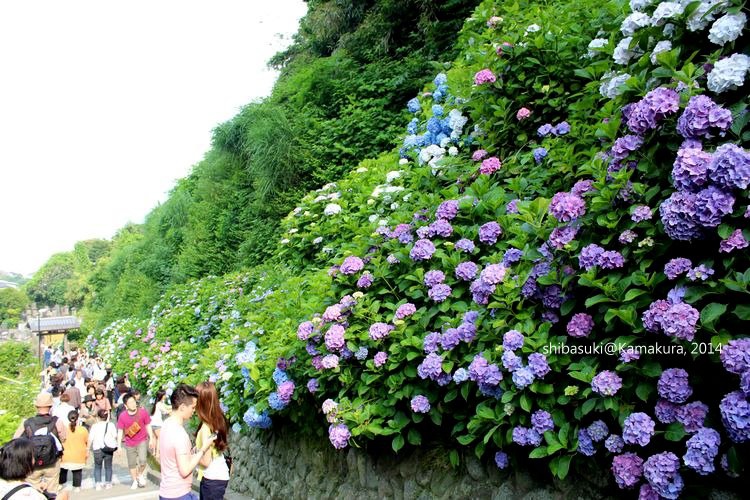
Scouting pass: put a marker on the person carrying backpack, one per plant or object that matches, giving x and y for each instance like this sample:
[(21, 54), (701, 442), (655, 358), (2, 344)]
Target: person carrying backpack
[(47, 433)]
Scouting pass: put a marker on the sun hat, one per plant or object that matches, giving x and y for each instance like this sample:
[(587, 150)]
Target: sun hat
[(43, 400)]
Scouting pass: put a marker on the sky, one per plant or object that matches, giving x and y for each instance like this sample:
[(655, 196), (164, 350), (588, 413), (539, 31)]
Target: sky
[(104, 104)]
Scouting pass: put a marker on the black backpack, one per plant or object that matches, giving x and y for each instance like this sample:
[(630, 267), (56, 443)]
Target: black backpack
[(47, 447)]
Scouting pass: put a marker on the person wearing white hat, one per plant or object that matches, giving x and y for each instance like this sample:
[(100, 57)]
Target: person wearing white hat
[(46, 475)]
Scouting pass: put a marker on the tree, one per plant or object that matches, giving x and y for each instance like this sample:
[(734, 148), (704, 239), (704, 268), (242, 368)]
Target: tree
[(12, 303)]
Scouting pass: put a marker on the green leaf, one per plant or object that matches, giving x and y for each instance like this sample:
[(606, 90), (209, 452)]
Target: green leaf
[(525, 402), (397, 443), (540, 452), (597, 299), (414, 437), (742, 311), (633, 293), (454, 458), (485, 412), (644, 390), (675, 432), (711, 313), (563, 466), (466, 439), (588, 405)]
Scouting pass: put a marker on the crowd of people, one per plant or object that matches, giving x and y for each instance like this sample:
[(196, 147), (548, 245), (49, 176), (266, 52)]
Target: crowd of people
[(86, 411)]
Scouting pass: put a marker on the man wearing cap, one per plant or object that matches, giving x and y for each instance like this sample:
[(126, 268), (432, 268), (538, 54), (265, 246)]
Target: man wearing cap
[(43, 478)]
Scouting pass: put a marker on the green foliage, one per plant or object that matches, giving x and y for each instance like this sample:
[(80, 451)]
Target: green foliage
[(13, 302), (19, 377)]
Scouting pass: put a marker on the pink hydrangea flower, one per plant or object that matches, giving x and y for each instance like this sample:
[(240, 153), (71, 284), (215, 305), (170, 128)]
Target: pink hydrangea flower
[(523, 113), (484, 76)]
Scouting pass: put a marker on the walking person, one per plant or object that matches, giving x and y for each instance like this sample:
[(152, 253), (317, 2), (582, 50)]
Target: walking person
[(158, 411), (101, 402), (177, 460), (16, 464), (76, 452), (213, 469), (47, 434), (103, 442), (134, 426)]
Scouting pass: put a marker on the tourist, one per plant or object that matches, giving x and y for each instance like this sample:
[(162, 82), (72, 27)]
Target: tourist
[(177, 461), (103, 441), (158, 412), (102, 403), (88, 412), (16, 463), (47, 468), (64, 408), (213, 470), (76, 452), (74, 394), (79, 381), (134, 426)]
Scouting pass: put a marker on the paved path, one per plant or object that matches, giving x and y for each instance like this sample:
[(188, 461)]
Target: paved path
[(120, 479)]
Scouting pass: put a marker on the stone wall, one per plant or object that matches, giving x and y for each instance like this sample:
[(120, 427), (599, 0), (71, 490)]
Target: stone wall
[(281, 465)]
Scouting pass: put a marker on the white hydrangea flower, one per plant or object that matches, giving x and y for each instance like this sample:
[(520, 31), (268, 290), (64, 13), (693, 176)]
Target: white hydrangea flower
[(634, 22), (623, 54), (306, 213), (382, 222), (327, 250), (332, 209), (328, 186), (394, 205), (595, 45), (403, 161), (392, 176), (406, 197), (728, 73), (284, 241), (612, 83), (662, 46), (668, 30), (639, 5), (431, 152), (293, 230), (392, 189), (453, 151), (373, 218), (664, 11), (701, 17), (533, 28), (727, 28), (361, 170), (334, 196), (320, 198), (456, 121), (296, 210), (318, 240), (444, 142)]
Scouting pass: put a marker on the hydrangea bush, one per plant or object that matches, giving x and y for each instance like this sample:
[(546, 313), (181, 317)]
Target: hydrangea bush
[(553, 266)]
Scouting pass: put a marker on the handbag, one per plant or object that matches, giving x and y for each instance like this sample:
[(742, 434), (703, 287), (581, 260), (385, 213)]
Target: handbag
[(133, 429), (109, 450)]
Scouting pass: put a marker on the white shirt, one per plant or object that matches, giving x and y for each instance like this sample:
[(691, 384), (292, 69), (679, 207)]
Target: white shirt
[(61, 412), (97, 437)]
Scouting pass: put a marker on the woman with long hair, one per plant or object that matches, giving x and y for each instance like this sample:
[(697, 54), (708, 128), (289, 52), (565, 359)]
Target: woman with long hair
[(75, 452), (158, 412), (213, 469), (16, 463)]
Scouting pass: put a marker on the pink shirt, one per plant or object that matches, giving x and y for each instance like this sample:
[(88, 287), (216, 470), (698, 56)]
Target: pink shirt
[(173, 441), (126, 420)]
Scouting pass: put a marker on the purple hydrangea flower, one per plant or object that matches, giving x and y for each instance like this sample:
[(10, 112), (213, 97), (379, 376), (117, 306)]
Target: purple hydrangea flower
[(623, 146), (352, 265), (730, 167), (614, 443), (700, 272), (501, 460), (539, 155), (561, 128), (511, 361), (432, 278), (392, 259), (442, 228), (692, 415), (489, 232), (541, 421), (286, 391), (665, 411), (312, 385), (471, 316), (627, 469), (589, 256), (461, 375), (420, 404), (365, 281), (676, 267), (466, 271), (493, 274), (511, 256), (735, 414), (641, 213), (680, 321), (425, 232), (678, 213), (304, 330), (511, 207), (484, 76), (711, 205), (628, 354), (662, 473), (544, 130), (450, 339), (598, 431), (538, 364), (477, 368), (361, 353), (439, 293), (580, 325), (645, 114), (404, 311), (637, 429), (585, 443), (582, 187), (332, 313), (606, 383), (566, 207), (479, 154), (431, 342), (674, 385), (735, 356), (561, 236), (339, 436), (422, 250), (611, 259), (512, 340), (523, 377), (334, 338), (447, 210), (526, 436), (627, 237), (690, 171), (736, 241), (467, 332), (696, 121), (380, 330), (431, 367), (702, 450), (380, 358), (647, 493), (465, 245), (329, 362), (490, 165)]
